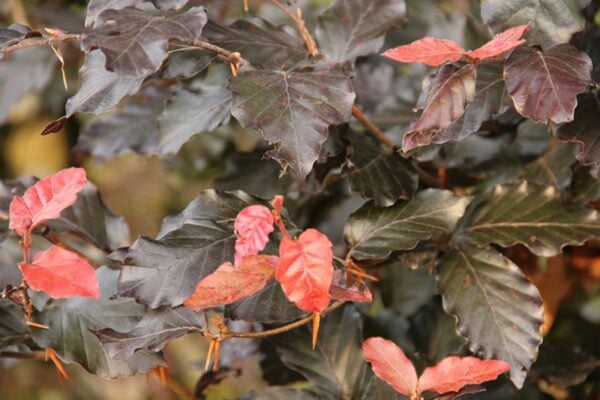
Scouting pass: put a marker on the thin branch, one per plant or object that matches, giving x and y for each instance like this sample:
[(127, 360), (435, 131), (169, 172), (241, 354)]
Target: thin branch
[(38, 355), (310, 43), (40, 41), (372, 128), (232, 56)]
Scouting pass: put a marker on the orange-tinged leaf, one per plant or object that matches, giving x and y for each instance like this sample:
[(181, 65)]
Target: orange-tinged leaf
[(252, 226), (430, 51), (61, 274), (391, 364), (46, 199), (500, 43), (230, 283), (452, 373), (305, 270)]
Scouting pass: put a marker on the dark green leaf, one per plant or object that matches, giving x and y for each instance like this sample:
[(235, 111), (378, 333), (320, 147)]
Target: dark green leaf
[(135, 41), (447, 95), (405, 290), (379, 174), (336, 367), (531, 215), (153, 332), (354, 28), (553, 168), (166, 271), (552, 21), (293, 110), (497, 309), (490, 99), (13, 329), (101, 90), (585, 130), (544, 84), (374, 232), (259, 42), (25, 70), (73, 321), (280, 393)]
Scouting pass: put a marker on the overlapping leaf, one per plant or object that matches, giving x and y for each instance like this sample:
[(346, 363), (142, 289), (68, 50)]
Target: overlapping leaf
[(252, 227), (532, 215), (46, 199), (490, 99), (135, 40), (61, 274), (379, 174), (553, 168), (585, 131), (544, 84), (405, 290), (12, 324), (374, 232), (336, 367), (500, 43), (293, 110), (14, 34), (551, 22), (261, 43), (497, 309), (353, 28), (450, 91), (152, 332)]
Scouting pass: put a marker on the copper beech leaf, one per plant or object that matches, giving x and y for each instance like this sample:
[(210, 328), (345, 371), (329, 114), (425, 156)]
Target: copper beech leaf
[(293, 110), (391, 364), (252, 227), (544, 84), (46, 199), (339, 290), (453, 373), (14, 34), (450, 91), (500, 43), (230, 283), (61, 274), (429, 51), (306, 270)]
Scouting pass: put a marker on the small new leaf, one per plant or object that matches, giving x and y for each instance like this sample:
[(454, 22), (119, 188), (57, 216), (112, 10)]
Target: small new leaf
[(429, 51), (61, 274), (500, 43), (252, 227)]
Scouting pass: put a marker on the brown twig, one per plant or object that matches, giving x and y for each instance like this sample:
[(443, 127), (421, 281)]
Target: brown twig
[(310, 43), (372, 128), (41, 41), (231, 56), (38, 355)]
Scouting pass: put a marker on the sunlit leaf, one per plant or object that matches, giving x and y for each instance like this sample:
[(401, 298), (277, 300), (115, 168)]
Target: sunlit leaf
[(429, 51), (391, 364)]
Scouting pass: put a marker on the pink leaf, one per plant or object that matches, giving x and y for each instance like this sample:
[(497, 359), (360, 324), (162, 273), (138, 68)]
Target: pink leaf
[(339, 291), (46, 199), (430, 51), (306, 269), (252, 226), (500, 43), (452, 373), (391, 364), (61, 274), (230, 283)]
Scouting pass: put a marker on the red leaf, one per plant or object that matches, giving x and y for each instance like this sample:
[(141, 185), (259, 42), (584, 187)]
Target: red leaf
[(452, 373), (391, 364), (430, 51), (339, 291), (252, 226), (306, 269), (61, 274), (230, 283), (46, 199), (500, 43)]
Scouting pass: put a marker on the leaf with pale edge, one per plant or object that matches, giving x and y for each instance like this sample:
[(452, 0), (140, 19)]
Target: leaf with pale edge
[(349, 29), (544, 84), (135, 41), (551, 22), (293, 110), (375, 233), (335, 367), (450, 91), (490, 100), (153, 332), (165, 272), (73, 321), (585, 131), (528, 214), (497, 309), (379, 174)]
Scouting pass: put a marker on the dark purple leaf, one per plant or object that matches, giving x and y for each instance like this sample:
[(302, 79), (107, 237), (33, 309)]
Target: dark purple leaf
[(14, 34), (544, 84), (13, 329), (293, 110), (449, 92), (354, 28), (95, 7), (585, 131)]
